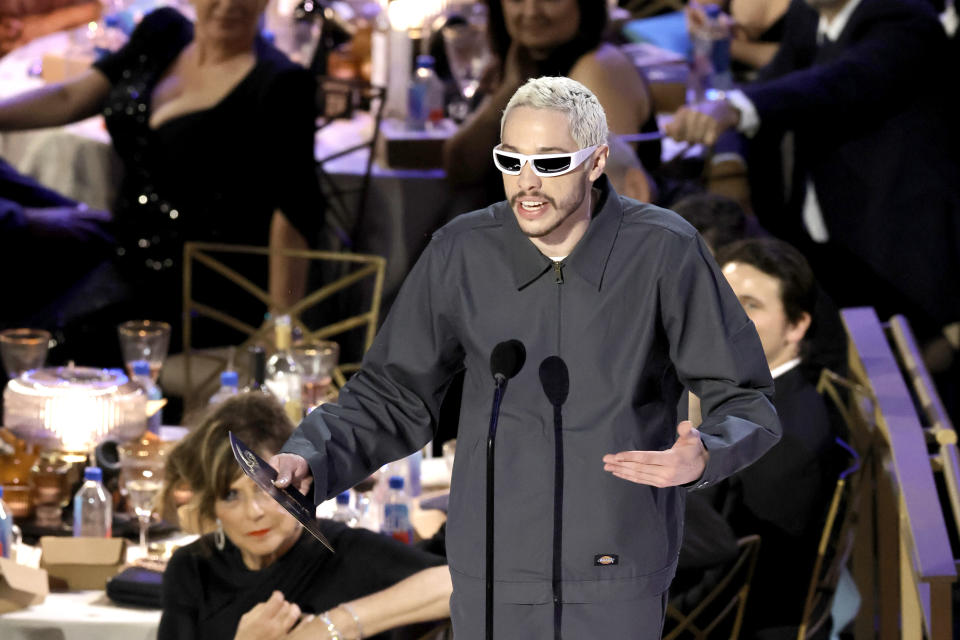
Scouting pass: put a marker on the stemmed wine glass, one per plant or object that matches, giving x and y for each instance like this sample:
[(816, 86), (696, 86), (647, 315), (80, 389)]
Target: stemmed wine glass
[(468, 55), (141, 480)]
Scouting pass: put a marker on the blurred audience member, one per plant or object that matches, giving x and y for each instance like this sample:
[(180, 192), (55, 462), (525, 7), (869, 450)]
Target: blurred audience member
[(50, 241), (215, 128), (783, 496), (532, 38), (718, 219), (257, 575), (23, 20), (870, 195)]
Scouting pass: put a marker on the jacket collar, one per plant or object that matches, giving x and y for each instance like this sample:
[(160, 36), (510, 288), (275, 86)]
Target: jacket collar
[(588, 259)]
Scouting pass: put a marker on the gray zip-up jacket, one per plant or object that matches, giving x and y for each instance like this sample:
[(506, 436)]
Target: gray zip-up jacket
[(637, 311)]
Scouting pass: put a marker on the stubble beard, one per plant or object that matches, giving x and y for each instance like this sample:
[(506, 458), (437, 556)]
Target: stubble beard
[(561, 218)]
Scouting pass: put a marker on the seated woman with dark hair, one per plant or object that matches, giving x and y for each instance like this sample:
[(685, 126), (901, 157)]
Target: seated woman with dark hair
[(215, 129), (533, 38), (256, 574)]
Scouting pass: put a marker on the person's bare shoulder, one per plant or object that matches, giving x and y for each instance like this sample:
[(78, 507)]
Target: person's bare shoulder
[(617, 83), (606, 62)]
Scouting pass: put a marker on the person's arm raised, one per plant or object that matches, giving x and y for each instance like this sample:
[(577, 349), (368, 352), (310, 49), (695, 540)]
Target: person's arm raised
[(466, 155), (55, 104)]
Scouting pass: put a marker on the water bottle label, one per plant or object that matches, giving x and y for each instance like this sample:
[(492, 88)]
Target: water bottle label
[(396, 522)]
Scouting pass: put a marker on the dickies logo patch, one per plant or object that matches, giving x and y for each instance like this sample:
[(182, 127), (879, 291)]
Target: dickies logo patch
[(606, 560)]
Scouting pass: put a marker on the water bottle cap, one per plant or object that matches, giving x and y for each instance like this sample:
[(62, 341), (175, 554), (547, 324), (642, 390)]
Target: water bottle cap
[(140, 368), (396, 482), (229, 379), (344, 498), (425, 60), (93, 473), (712, 11)]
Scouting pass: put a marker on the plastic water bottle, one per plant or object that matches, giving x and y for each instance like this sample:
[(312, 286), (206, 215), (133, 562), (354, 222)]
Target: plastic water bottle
[(92, 508), (345, 513), (424, 96), (6, 528), (414, 461), (396, 513), (710, 68), (229, 386), (141, 375)]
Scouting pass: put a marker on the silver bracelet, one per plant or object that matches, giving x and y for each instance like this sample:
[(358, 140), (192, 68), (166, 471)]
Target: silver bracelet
[(331, 628), (356, 619)]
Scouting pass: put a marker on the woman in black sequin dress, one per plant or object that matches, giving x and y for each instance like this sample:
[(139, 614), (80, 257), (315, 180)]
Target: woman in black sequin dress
[(215, 128)]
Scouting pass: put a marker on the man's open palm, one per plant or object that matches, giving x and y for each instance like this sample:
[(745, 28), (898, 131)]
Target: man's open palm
[(682, 463)]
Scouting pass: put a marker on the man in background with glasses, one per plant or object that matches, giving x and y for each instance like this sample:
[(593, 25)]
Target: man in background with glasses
[(588, 524)]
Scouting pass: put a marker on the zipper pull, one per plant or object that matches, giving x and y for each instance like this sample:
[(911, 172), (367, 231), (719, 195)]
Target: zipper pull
[(558, 272)]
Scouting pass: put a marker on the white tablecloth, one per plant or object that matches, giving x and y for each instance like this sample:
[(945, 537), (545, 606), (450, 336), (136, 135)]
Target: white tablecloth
[(80, 615)]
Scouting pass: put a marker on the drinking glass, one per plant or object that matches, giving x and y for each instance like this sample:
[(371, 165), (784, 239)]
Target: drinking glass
[(317, 359), (23, 349), (144, 340), (468, 55), (141, 480)]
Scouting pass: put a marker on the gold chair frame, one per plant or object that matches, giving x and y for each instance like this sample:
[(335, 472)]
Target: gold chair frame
[(371, 266), (742, 567)]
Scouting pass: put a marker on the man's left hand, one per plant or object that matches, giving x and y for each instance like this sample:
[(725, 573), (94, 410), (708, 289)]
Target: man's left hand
[(682, 463), (703, 122)]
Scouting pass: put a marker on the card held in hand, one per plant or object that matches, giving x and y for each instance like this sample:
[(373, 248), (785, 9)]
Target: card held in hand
[(263, 475)]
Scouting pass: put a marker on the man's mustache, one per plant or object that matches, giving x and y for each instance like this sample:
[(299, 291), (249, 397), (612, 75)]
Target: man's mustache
[(517, 196)]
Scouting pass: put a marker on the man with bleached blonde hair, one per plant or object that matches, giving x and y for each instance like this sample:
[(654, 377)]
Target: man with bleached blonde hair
[(622, 302)]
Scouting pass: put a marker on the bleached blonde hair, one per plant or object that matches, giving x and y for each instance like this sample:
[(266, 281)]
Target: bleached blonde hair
[(588, 121)]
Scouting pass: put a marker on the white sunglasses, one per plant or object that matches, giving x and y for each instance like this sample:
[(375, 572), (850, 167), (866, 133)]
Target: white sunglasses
[(545, 165)]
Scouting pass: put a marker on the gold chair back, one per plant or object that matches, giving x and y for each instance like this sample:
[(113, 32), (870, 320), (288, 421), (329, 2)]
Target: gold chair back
[(724, 604), (202, 367)]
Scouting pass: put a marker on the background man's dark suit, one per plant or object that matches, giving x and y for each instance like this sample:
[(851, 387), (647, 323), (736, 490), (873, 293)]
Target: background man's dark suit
[(871, 127)]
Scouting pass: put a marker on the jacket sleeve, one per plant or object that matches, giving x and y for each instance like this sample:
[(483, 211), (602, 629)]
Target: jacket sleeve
[(389, 408), (893, 57), (717, 354)]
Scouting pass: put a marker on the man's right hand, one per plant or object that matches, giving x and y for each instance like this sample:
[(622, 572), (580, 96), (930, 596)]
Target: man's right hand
[(292, 470), (703, 122)]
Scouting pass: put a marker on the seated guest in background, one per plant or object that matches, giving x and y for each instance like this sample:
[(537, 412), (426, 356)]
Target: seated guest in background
[(718, 219), (871, 199), (258, 571), (40, 229), (532, 38), (783, 496), (722, 221), (215, 128)]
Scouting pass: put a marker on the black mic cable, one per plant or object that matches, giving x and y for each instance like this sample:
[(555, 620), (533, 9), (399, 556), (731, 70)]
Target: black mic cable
[(555, 380), (506, 360)]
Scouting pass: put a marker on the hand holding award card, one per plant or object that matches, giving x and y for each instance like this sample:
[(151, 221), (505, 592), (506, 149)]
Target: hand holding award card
[(263, 475)]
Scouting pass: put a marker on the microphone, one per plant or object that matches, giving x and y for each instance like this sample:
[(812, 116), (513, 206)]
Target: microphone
[(506, 360), (555, 379)]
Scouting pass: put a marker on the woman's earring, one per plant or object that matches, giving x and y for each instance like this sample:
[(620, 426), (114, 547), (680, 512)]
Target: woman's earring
[(219, 539)]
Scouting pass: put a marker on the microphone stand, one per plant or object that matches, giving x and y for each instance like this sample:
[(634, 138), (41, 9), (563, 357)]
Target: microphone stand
[(491, 438)]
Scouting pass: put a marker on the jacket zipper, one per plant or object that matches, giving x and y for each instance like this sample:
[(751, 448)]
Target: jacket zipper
[(558, 476)]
